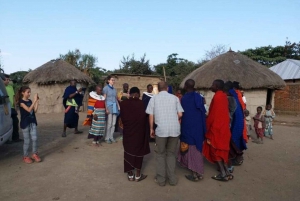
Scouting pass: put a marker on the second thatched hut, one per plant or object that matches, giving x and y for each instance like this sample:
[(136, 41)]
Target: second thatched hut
[(50, 80), (257, 81)]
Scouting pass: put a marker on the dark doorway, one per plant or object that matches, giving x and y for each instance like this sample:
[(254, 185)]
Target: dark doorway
[(269, 96)]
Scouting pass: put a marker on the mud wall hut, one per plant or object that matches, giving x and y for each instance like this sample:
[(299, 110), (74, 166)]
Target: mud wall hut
[(288, 99), (257, 81), (50, 81)]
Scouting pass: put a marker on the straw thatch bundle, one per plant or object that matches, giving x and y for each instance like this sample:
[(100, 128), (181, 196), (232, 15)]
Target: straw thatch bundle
[(56, 71), (235, 67)]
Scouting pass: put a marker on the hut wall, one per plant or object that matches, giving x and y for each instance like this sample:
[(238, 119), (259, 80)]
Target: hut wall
[(254, 98), (51, 97), (288, 99), (136, 81)]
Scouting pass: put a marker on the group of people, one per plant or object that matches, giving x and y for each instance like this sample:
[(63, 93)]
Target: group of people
[(220, 134)]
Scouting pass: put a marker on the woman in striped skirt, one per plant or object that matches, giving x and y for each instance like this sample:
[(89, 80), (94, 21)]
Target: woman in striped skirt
[(98, 116)]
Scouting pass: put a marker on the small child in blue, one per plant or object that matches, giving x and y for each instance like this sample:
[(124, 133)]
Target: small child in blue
[(28, 122)]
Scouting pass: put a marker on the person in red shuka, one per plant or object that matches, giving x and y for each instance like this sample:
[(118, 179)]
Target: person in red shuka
[(217, 137)]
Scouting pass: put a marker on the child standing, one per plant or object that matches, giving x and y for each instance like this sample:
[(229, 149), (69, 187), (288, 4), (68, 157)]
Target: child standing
[(269, 115), (259, 125), (28, 122), (248, 123)]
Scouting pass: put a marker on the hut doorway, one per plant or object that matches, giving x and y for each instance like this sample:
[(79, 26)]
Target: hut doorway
[(269, 96)]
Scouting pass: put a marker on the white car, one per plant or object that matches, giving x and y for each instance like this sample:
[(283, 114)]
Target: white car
[(6, 127)]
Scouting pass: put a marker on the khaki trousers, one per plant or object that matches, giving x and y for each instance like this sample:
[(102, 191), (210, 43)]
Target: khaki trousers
[(166, 159)]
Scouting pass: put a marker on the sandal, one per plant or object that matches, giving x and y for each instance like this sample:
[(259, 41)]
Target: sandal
[(220, 178), (192, 178), (130, 178), (140, 178), (230, 177)]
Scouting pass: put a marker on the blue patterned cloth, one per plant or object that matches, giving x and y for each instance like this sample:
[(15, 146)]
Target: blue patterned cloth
[(237, 124)]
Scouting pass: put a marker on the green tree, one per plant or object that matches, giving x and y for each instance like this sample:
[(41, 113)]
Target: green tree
[(84, 62), (72, 57), (270, 56), (176, 69), (132, 66), (17, 78)]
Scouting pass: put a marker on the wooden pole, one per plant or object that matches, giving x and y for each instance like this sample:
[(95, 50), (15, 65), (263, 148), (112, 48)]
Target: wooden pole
[(165, 74)]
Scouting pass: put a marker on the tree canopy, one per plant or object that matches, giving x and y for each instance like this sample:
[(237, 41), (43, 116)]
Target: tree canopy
[(132, 66), (176, 69), (270, 56), (84, 62)]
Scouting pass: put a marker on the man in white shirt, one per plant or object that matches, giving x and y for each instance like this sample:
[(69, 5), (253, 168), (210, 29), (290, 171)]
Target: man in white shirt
[(165, 110)]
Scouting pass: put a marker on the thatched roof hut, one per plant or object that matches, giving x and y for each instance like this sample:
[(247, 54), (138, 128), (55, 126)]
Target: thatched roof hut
[(56, 71), (257, 80), (50, 80), (235, 67)]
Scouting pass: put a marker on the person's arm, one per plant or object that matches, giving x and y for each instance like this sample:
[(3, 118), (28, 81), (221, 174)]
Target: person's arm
[(273, 114), (150, 111), (105, 99), (29, 109), (76, 92), (151, 122), (118, 103), (179, 109), (179, 115), (36, 106)]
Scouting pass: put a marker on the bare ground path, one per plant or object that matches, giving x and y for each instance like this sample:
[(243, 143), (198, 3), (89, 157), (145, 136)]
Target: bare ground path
[(74, 170)]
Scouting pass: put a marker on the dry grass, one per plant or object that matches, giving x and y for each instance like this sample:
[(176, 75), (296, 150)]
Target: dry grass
[(56, 71), (235, 67)]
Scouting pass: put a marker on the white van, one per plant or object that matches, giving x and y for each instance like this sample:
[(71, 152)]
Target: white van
[(6, 127)]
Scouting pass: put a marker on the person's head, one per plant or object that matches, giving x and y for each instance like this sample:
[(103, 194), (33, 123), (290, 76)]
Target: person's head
[(110, 80), (162, 86), (125, 87), (98, 89), (217, 85), (178, 91), (268, 107), (246, 113), (149, 88), (236, 85), (5, 79), (134, 92), (227, 87), (23, 92), (73, 83), (189, 85), (259, 109)]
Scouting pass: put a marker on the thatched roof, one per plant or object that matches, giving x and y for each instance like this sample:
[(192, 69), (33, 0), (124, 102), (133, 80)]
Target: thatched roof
[(56, 71), (235, 67)]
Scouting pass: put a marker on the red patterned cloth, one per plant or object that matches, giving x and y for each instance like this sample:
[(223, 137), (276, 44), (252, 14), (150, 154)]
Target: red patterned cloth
[(216, 145)]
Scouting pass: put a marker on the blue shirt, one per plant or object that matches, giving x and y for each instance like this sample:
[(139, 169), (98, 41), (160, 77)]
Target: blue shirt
[(111, 98)]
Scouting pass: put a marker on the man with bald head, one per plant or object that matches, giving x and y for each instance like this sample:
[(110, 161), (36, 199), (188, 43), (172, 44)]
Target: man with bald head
[(165, 110)]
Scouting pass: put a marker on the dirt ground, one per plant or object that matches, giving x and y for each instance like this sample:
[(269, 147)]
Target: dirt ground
[(74, 170)]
